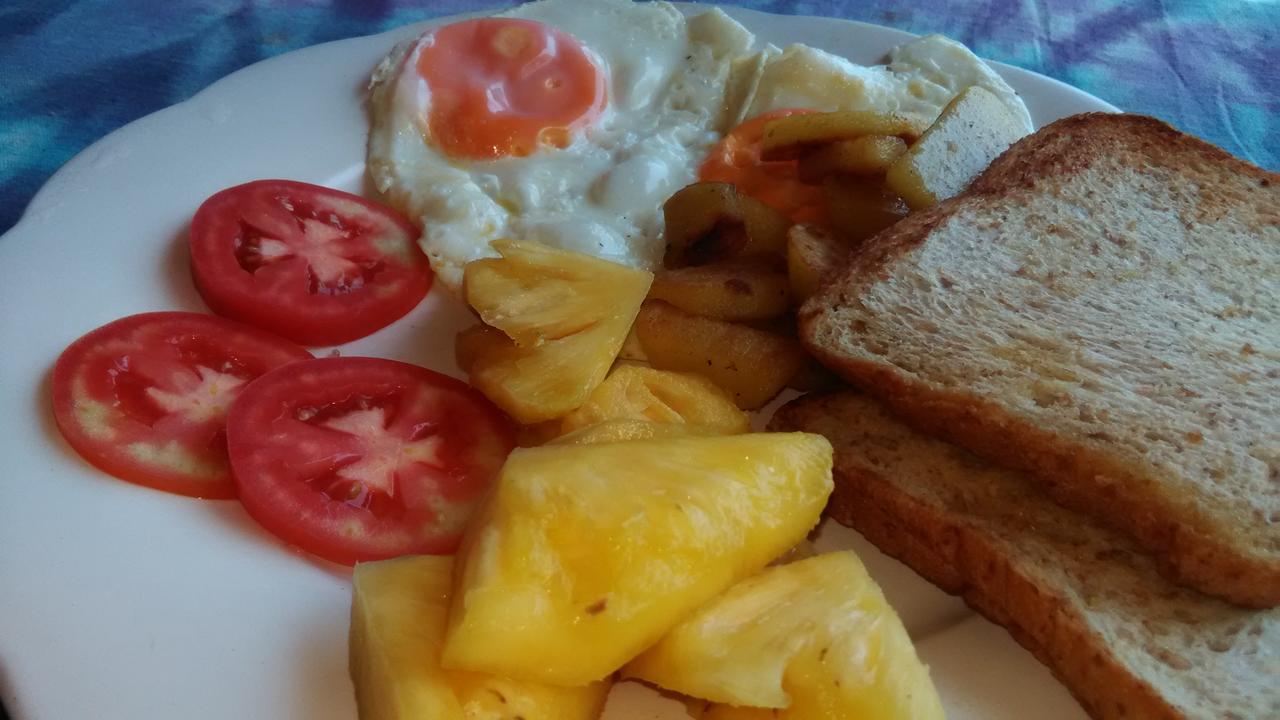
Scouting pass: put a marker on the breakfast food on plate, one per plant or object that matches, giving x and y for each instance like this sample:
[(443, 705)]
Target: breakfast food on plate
[(363, 458), (568, 122), (812, 638), (921, 77), (709, 221), (860, 155), (813, 254), (787, 138), (752, 365), (398, 611), (145, 397), (562, 122), (584, 555), (636, 392), (1099, 308), (311, 264), (1083, 598), (555, 322), (618, 430), (859, 207), (741, 290), (971, 132)]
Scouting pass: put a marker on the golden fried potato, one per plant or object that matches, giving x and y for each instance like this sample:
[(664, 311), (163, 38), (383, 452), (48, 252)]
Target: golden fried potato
[(728, 291), (711, 221), (867, 155), (972, 130), (812, 253), (752, 365), (788, 137), (859, 208)]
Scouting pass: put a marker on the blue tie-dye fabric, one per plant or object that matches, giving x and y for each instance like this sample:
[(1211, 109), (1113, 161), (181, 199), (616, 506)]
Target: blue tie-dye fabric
[(73, 70)]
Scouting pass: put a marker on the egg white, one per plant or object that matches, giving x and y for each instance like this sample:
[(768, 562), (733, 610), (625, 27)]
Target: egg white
[(922, 76)]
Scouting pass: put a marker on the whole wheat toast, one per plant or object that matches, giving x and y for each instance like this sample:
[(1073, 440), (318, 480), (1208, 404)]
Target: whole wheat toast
[(1102, 308), (1084, 599)]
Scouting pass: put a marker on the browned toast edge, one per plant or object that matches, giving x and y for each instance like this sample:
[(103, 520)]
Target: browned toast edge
[(963, 561), (1188, 555)]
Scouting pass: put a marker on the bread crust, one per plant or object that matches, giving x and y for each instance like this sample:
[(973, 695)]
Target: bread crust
[(966, 564), (938, 540), (1071, 474)]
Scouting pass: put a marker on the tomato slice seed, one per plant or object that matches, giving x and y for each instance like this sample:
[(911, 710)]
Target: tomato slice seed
[(145, 398), (313, 264), (361, 458)]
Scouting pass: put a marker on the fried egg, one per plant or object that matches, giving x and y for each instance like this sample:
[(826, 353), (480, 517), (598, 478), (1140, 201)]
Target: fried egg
[(569, 122), (566, 122)]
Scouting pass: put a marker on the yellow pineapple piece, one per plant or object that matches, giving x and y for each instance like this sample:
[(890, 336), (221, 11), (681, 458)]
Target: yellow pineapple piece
[(584, 555), (397, 624), (636, 392), (814, 639), (623, 430), (565, 316)]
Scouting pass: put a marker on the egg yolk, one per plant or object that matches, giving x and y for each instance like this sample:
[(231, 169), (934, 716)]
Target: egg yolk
[(505, 87), (776, 183)]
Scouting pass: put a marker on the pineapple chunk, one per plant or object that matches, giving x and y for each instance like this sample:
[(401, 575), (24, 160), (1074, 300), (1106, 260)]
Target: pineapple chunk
[(812, 255), (564, 315), (622, 430), (634, 392), (397, 624), (584, 555), (813, 639)]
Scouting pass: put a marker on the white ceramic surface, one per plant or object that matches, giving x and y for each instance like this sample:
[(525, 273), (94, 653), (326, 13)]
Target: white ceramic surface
[(122, 602)]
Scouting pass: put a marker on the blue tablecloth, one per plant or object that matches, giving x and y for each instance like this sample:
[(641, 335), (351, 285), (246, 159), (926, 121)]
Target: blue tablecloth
[(73, 70)]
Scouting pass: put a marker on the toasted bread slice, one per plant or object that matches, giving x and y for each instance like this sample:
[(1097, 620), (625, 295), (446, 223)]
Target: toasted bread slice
[(1101, 308), (1084, 599)]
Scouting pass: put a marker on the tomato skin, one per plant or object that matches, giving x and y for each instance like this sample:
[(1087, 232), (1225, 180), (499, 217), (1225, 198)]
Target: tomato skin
[(104, 385), (309, 263), (356, 459), (776, 183)]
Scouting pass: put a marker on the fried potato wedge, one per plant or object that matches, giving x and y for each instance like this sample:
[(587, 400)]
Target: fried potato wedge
[(728, 291), (711, 221), (789, 137), (752, 365), (812, 254), (972, 130), (859, 208), (867, 155)]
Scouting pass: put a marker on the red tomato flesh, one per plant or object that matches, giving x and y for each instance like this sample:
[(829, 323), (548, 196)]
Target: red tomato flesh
[(145, 398), (315, 265), (357, 459)]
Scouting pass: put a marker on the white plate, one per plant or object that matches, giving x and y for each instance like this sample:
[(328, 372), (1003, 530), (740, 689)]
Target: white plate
[(122, 602)]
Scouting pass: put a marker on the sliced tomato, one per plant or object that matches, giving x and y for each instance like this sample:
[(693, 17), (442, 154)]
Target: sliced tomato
[(315, 265), (776, 183), (145, 398), (358, 459)]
